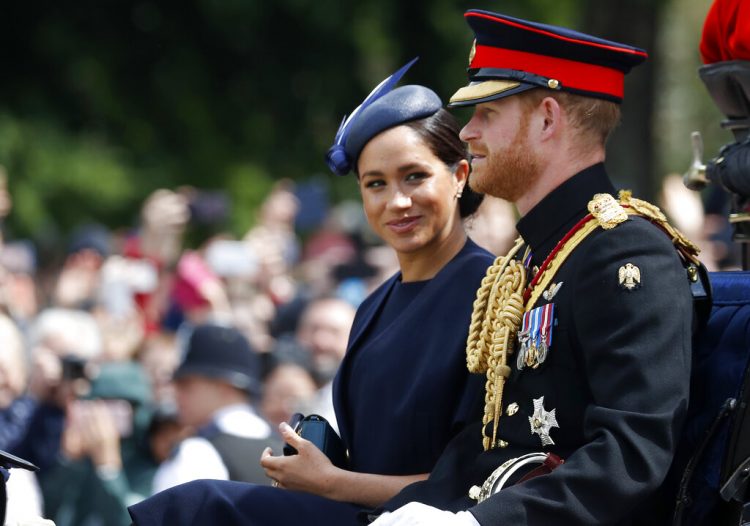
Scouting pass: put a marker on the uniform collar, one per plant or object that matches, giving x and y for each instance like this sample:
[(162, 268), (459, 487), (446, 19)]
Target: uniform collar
[(546, 224)]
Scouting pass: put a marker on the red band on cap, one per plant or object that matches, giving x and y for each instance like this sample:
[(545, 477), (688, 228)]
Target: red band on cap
[(571, 74)]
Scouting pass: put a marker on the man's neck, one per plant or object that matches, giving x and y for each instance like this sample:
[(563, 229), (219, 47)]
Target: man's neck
[(554, 173)]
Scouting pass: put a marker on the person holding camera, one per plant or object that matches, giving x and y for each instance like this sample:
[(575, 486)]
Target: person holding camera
[(104, 464), (402, 391)]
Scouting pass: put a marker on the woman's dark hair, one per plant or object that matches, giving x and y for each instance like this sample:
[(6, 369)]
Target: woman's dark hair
[(440, 133)]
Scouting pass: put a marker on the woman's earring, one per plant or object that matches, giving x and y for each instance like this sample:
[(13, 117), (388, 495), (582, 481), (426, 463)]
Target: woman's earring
[(459, 193)]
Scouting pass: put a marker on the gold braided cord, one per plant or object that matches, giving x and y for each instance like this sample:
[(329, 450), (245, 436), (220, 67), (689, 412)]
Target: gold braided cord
[(499, 306), (632, 206), (652, 212), (549, 271), (495, 320)]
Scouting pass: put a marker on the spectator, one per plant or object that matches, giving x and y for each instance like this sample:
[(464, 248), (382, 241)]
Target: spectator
[(288, 388), (25, 500), (79, 280), (217, 384), (159, 357), (494, 225), (18, 281), (324, 330), (274, 242), (156, 247), (105, 464), (65, 343)]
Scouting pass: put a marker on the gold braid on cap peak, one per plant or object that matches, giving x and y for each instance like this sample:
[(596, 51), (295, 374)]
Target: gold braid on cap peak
[(495, 320)]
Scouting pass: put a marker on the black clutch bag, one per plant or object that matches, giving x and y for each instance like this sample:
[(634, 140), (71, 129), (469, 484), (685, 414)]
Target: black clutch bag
[(317, 430)]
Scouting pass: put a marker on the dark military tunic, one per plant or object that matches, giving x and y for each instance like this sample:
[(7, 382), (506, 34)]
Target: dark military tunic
[(616, 374)]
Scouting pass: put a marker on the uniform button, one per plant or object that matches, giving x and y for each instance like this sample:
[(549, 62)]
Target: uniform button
[(512, 409)]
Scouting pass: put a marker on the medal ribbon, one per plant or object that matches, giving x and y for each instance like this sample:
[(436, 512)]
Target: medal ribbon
[(536, 325), (548, 318)]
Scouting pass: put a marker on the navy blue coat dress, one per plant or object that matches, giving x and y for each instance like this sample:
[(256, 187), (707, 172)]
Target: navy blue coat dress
[(401, 394)]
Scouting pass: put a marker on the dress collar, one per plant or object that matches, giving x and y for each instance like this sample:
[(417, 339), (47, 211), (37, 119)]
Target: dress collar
[(548, 222)]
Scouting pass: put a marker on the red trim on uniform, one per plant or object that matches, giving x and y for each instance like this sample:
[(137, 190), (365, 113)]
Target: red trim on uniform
[(571, 74), (557, 36), (560, 244)]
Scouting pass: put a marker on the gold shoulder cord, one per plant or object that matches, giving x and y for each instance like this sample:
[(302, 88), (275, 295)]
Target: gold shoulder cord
[(499, 306), (651, 212), (492, 333)]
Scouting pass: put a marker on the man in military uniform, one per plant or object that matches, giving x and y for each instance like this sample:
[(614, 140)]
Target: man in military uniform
[(584, 330)]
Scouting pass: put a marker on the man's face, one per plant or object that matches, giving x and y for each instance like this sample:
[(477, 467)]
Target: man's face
[(324, 329), (197, 399), (503, 161)]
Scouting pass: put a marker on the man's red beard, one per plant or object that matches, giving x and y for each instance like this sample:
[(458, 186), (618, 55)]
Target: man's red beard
[(509, 173)]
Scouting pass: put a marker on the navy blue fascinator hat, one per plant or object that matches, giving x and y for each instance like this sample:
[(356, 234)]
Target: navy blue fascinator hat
[(383, 108)]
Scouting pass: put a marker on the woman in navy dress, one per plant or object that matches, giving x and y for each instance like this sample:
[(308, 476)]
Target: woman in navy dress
[(403, 390)]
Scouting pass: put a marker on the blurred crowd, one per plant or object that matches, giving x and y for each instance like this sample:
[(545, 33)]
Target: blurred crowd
[(172, 350), (90, 349), (152, 356)]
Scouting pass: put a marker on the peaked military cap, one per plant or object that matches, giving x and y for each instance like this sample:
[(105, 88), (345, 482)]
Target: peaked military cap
[(510, 55), (384, 108)]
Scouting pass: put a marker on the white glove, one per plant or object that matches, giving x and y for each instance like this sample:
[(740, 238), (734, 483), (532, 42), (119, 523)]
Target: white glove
[(418, 514), (31, 521)]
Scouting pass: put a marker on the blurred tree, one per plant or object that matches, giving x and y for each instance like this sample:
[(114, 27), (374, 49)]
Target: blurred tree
[(101, 102), (631, 155)]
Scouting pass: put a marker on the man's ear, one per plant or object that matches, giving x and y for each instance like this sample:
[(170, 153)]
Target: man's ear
[(550, 115)]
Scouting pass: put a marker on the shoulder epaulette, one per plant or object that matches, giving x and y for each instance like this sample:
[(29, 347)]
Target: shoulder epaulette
[(651, 212), (607, 211)]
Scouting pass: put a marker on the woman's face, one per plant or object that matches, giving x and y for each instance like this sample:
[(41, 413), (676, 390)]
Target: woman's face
[(409, 194)]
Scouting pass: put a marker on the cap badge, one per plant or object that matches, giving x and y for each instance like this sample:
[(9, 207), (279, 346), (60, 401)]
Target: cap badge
[(473, 51), (607, 211), (629, 276), (535, 336), (542, 422)]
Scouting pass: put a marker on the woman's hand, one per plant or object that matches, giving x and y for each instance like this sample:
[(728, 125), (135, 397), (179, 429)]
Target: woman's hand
[(309, 470), (312, 472)]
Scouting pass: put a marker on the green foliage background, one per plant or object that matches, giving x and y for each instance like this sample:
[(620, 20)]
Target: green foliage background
[(102, 101)]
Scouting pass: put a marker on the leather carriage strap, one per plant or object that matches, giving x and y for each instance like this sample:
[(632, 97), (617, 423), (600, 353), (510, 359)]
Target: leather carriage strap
[(550, 463)]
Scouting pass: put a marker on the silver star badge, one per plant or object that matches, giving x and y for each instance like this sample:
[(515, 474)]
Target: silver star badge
[(542, 422)]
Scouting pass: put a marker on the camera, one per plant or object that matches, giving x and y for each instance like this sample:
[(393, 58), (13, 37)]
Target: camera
[(728, 83), (73, 367)]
